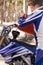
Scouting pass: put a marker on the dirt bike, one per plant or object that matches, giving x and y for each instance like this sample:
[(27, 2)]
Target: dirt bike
[(15, 52)]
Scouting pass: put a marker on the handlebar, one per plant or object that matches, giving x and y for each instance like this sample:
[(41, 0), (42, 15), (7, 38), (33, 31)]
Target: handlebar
[(7, 29), (11, 26), (5, 32)]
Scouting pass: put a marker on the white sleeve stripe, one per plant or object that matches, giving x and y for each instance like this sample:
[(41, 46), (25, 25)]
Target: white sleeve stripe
[(33, 15), (32, 19)]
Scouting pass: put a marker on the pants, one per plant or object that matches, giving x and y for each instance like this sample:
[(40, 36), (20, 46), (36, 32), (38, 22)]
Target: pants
[(39, 57)]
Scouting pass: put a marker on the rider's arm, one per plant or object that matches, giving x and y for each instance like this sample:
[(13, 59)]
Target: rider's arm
[(32, 18)]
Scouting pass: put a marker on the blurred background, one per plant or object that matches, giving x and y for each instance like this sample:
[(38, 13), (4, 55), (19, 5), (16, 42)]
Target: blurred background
[(10, 10)]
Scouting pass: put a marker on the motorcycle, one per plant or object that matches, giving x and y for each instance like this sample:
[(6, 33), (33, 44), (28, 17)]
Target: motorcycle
[(15, 52)]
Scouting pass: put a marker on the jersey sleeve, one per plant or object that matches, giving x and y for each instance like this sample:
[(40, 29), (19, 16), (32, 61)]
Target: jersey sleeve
[(31, 18)]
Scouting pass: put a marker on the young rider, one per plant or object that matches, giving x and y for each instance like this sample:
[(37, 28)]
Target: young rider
[(36, 17)]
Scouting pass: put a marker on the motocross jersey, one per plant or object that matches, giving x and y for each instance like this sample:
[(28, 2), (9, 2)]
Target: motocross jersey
[(27, 29), (36, 17)]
